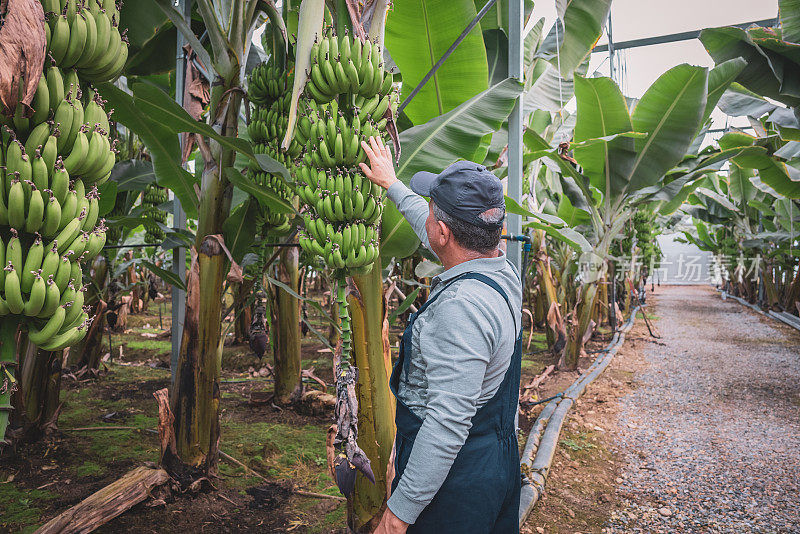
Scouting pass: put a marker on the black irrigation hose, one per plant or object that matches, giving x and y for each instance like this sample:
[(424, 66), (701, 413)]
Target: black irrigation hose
[(548, 399), (649, 328), (537, 457), (144, 245)]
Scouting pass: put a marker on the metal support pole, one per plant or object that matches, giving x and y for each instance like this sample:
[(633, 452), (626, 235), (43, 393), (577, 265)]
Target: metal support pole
[(514, 223), (178, 215), (611, 67)]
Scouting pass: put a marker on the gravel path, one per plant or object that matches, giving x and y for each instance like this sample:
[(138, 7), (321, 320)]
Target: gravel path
[(711, 437)]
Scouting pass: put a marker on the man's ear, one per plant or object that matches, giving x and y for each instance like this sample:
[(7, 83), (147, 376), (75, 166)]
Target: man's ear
[(446, 232)]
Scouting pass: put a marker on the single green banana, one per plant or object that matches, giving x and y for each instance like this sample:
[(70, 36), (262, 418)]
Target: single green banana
[(13, 292)]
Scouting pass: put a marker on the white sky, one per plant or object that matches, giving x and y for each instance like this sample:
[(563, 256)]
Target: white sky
[(637, 19)]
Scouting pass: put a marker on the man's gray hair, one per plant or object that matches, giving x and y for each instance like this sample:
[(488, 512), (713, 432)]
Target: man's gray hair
[(470, 236)]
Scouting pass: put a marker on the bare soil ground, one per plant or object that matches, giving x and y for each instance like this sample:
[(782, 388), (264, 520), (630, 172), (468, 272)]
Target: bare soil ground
[(580, 494), (693, 432)]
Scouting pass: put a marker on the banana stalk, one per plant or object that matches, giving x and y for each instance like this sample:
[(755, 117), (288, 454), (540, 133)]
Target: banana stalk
[(8, 362), (195, 395), (552, 310), (376, 429), (39, 385)]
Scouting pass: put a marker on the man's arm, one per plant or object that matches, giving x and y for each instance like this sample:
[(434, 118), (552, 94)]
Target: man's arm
[(381, 172), (456, 353), (413, 207)]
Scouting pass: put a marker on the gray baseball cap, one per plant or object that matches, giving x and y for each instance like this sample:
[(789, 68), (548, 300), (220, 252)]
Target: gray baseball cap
[(463, 190)]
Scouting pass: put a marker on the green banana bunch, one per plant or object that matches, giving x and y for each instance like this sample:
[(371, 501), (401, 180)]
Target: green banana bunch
[(153, 196), (47, 220), (269, 222), (85, 36), (343, 64), (349, 98), (270, 92), (36, 275), (268, 83), (342, 222)]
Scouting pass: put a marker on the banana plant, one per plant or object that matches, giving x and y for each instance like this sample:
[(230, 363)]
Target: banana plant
[(751, 232), (157, 120), (622, 153), (770, 61)]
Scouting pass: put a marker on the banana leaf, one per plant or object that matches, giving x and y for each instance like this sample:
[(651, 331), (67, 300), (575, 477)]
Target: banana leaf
[(457, 134), (496, 55), (398, 239), (789, 17), (584, 21), (497, 16), (768, 73), (720, 79), (741, 188), (716, 197), (308, 30), (737, 101), (417, 36), (133, 175), (602, 111), (239, 229), (162, 143), (671, 112)]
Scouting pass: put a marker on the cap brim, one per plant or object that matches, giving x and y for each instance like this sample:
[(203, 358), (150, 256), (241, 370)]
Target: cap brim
[(422, 183)]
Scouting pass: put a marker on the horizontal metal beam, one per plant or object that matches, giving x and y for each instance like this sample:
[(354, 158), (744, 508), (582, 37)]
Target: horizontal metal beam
[(675, 37)]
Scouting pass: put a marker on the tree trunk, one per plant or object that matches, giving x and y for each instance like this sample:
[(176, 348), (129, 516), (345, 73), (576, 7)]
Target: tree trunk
[(37, 395), (286, 322), (88, 351), (552, 309), (195, 395), (242, 320), (770, 293), (376, 427), (793, 295), (603, 302)]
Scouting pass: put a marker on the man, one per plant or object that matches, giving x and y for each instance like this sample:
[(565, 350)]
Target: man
[(457, 377)]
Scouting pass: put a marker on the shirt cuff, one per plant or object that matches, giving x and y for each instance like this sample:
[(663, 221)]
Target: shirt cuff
[(397, 191), (404, 508)]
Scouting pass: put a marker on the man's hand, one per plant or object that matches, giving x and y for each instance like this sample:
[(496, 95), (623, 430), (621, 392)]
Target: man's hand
[(391, 524), (381, 169)]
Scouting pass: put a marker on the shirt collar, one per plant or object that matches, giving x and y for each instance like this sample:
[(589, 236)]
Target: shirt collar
[(476, 265)]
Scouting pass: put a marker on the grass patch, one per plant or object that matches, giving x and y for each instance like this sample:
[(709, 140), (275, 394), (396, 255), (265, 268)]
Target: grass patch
[(18, 507), (577, 445), (157, 346), (136, 373), (284, 452), (650, 316), (115, 445), (533, 366), (88, 469)]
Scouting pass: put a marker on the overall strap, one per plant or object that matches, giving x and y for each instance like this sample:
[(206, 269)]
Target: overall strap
[(406, 337)]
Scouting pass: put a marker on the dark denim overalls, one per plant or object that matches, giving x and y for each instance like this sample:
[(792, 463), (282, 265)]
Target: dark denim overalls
[(481, 492)]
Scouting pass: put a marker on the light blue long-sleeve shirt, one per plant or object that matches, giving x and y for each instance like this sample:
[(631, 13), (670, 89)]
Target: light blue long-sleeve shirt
[(461, 348)]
